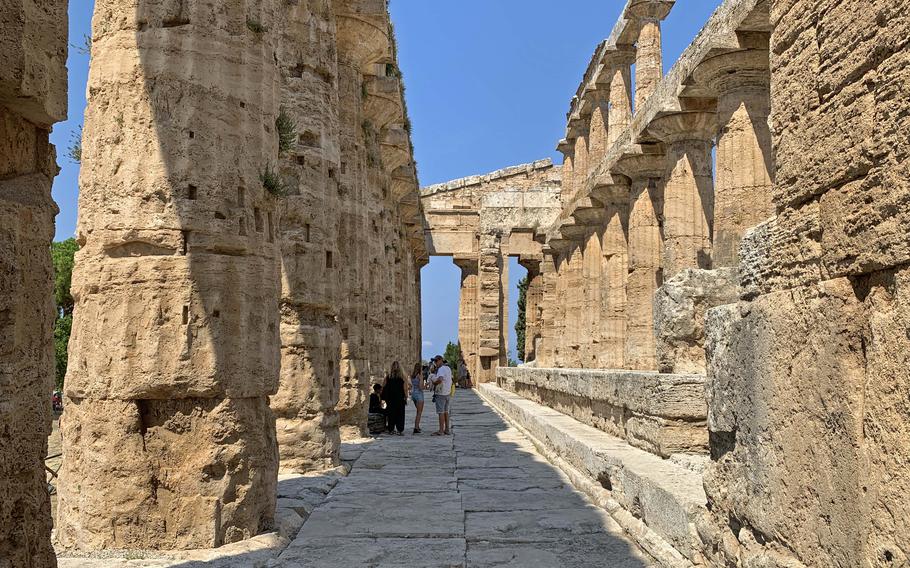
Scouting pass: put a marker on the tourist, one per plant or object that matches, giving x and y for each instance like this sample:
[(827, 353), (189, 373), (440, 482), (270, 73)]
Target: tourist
[(394, 393), (417, 394), (442, 382), (462, 373), (376, 420)]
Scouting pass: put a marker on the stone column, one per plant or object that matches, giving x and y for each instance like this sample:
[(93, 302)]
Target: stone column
[(468, 313), (168, 438), (688, 189), (533, 305), (567, 148), (620, 102), (32, 99), (573, 294), (744, 153), (648, 54), (492, 350), (645, 251), (592, 286), (611, 355), (598, 131), (545, 348), (362, 32), (305, 405)]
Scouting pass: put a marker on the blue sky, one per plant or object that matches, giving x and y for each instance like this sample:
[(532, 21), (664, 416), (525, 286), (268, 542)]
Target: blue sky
[(488, 86)]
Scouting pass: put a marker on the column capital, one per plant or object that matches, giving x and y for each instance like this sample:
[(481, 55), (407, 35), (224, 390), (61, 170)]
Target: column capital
[(362, 32), (648, 9), (730, 71), (466, 262), (589, 213), (683, 126), (639, 167)]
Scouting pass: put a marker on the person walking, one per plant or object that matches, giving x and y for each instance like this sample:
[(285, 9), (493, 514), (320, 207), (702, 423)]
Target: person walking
[(394, 393), (416, 387), (442, 382)]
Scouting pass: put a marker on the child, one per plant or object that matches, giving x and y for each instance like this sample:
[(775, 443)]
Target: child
[(376, 420)]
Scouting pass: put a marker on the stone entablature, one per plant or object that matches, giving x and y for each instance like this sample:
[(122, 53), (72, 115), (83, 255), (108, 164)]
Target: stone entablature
[(481, 221)]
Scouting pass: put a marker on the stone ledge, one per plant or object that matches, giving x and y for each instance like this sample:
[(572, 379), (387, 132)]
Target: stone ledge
[(661, 413), (656, 501), (460, 183)]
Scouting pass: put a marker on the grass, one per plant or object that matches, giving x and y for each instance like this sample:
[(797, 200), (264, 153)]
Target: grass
[(287, 132), (74, 151), (255, 26), (272, 182)]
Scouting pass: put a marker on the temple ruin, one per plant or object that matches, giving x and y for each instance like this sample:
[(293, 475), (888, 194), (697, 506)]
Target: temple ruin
[(718, 322)]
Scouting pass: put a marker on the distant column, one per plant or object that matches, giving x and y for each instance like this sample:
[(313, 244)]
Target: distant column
[(688, 189), (533, 308), (645, 251), (490, 293), (744, 154), (468, 310), (615, 273), (620, 115), (649, 56)]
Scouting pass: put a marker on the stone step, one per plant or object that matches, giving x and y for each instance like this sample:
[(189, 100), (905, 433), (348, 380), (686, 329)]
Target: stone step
[(662, 413), (663, 497)]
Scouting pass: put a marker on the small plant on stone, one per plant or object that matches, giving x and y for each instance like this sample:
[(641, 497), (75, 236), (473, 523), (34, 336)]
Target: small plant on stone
[(272, 182), (255, 26), (85, 47), (287, 132), (74, 150)]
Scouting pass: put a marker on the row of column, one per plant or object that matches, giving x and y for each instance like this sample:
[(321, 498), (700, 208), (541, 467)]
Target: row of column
[(661, 210)]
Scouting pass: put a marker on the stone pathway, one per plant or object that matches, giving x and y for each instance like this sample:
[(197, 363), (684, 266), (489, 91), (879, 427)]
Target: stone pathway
[(482, 498)]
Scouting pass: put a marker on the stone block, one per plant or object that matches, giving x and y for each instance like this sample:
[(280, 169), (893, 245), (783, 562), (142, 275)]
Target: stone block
[(166, 474), (679, 314)]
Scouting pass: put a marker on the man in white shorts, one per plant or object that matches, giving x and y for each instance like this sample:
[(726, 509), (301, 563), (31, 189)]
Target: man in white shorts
[(442, 386)]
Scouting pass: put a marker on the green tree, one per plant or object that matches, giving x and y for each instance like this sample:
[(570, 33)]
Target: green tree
[(452, 355), (62, 256), (521, 323)]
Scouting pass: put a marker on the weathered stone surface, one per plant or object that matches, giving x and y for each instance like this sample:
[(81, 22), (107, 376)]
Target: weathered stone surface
[(680, 306), (187, 473), (663, 414), (666, 497), (32, 98)]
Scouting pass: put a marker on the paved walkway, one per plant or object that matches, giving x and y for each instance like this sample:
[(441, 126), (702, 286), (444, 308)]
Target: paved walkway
[(483, 498)]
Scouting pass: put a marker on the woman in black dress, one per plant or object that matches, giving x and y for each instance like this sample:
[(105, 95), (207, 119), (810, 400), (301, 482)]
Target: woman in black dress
[(395, 395)]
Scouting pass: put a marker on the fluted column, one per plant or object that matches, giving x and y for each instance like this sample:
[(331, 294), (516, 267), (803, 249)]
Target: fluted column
[(688, 189), (468, 311), (546, 348), (592, 287), (34, 97), (744, 153), (615, 273), (491, 271), (649, 56), (645, 252), (168, 438), (567, 148), (620, 116)]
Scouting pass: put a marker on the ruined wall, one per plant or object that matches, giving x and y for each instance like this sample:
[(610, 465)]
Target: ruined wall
[(306, 418), (380, 245), (808, 374), (32, 99), (168, 438)]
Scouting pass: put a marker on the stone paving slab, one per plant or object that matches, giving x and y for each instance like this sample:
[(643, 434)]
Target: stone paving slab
[(608, 551), (398, 515), (376, 553), (482, 497)]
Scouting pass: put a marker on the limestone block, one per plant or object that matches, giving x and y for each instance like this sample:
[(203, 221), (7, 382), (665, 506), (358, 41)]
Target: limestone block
[(177, 479), (33, 78), (660, 413), (26, 364), (680, 305), (166, 327), (802, 386)]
